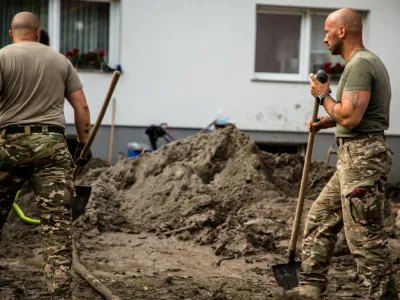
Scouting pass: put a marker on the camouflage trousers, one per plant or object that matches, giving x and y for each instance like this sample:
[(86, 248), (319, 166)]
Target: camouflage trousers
[(44, 160), (353, 199)]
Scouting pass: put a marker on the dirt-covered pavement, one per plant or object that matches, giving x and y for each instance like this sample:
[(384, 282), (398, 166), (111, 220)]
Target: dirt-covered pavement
[(201, 218)]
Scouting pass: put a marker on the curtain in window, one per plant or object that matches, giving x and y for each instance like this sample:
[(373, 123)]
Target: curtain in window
[(84, 26), (9, 8)]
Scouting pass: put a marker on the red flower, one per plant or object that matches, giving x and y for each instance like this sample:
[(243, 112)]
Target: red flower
[(75, 50), (102, 53), (90, 55), (327, 65), (339, 65), (328, 70), (68, 53)]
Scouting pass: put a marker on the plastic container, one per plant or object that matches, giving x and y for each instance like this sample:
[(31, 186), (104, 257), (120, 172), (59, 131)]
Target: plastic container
[(135, 149)]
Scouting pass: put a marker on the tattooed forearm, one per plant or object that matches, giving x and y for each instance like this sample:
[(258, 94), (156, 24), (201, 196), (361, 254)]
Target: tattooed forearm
[(87, 127), (82, 123), (353, 97), (332, 112)]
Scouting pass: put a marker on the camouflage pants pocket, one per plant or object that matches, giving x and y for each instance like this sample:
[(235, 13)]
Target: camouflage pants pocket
[(366, 203), (368, 158)]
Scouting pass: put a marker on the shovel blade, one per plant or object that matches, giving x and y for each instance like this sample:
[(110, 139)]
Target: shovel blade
[(287, 275), (81, 200)]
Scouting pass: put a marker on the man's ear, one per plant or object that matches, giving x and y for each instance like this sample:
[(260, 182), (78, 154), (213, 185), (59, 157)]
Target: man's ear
[(10, 33), (341, 32), (38, 35)]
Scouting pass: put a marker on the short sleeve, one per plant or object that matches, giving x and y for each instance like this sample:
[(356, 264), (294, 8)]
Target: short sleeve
[(73, 82), (359, 76)]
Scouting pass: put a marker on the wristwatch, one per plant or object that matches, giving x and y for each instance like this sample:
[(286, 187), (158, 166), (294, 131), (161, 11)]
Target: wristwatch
[(320, 98)]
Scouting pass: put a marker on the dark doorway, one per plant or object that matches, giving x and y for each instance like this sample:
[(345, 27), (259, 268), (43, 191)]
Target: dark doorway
[(280, 148)]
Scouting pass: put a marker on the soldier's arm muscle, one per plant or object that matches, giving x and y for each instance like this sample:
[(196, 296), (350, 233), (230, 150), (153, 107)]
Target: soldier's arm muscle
[(357, 86), (350, 110), (77, 100)]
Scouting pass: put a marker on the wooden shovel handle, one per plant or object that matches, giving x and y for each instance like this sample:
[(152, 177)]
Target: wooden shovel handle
[(304, 181), (96, 126)]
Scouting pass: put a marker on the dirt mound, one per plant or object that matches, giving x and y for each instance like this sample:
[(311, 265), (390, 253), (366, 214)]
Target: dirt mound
[(94, 167), (285, 172), (219, 188), (214, 189)]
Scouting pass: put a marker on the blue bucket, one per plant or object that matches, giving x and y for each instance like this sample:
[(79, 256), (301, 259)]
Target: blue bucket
[(133, 153)]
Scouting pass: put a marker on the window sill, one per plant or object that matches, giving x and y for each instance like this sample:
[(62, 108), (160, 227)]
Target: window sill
[(94, 71), (280, 81), (332, 82)]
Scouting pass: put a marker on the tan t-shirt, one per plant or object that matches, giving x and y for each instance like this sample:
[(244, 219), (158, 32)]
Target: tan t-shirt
[(34, 80), (366, 72)]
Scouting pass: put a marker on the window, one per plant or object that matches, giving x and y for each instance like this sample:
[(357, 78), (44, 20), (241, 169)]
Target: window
[(9, 8), (289, 43), (278, 43), (84, 26), (90, 26)]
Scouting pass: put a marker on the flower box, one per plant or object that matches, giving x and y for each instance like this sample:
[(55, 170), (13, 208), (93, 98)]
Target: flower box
[(93, 60), (334, 70)]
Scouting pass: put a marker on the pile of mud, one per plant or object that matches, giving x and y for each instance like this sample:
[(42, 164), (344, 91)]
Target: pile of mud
[(94, 167), (218, 188)]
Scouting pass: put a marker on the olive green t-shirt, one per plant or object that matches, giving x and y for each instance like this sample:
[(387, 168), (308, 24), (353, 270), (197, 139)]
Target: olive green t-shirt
[(365, 71), (34, 80)]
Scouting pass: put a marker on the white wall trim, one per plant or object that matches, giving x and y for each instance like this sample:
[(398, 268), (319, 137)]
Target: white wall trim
[(114, 42), (305, 42), (54, 23)]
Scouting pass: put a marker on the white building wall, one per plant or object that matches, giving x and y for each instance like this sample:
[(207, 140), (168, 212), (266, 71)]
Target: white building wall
[(183, 60)]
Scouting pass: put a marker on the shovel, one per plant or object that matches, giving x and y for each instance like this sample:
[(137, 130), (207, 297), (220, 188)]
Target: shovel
[(82, 191), (287, 275)]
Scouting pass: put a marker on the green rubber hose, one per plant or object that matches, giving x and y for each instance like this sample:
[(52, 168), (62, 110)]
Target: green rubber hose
[(21, 214)]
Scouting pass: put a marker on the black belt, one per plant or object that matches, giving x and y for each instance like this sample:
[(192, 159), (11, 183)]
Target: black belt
[(12, 129), (342, 140)]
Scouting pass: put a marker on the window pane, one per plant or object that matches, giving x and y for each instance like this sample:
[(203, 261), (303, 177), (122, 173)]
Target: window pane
[(320, 53), (278, 43), (9, 8), (84, 26)]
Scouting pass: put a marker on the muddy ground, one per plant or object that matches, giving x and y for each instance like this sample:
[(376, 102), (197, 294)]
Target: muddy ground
[(201, 218)]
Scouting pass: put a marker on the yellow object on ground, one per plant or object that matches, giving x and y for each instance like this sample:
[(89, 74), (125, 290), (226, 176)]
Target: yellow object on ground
[(21, 214)]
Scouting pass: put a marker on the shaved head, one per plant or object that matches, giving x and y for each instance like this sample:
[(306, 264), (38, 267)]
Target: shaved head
[(343, 31), (349, 18), (25, 26), (25, 21)]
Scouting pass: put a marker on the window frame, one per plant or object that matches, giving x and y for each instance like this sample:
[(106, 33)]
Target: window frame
[(304, 28), (305, 41), (114, 38)]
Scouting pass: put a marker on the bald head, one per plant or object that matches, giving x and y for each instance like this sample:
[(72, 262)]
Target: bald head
[(25, 26), (349, 19), (343, 32), (25, 21)]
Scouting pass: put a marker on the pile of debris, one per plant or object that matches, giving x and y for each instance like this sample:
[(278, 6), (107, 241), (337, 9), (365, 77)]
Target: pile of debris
[(216, 189)]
